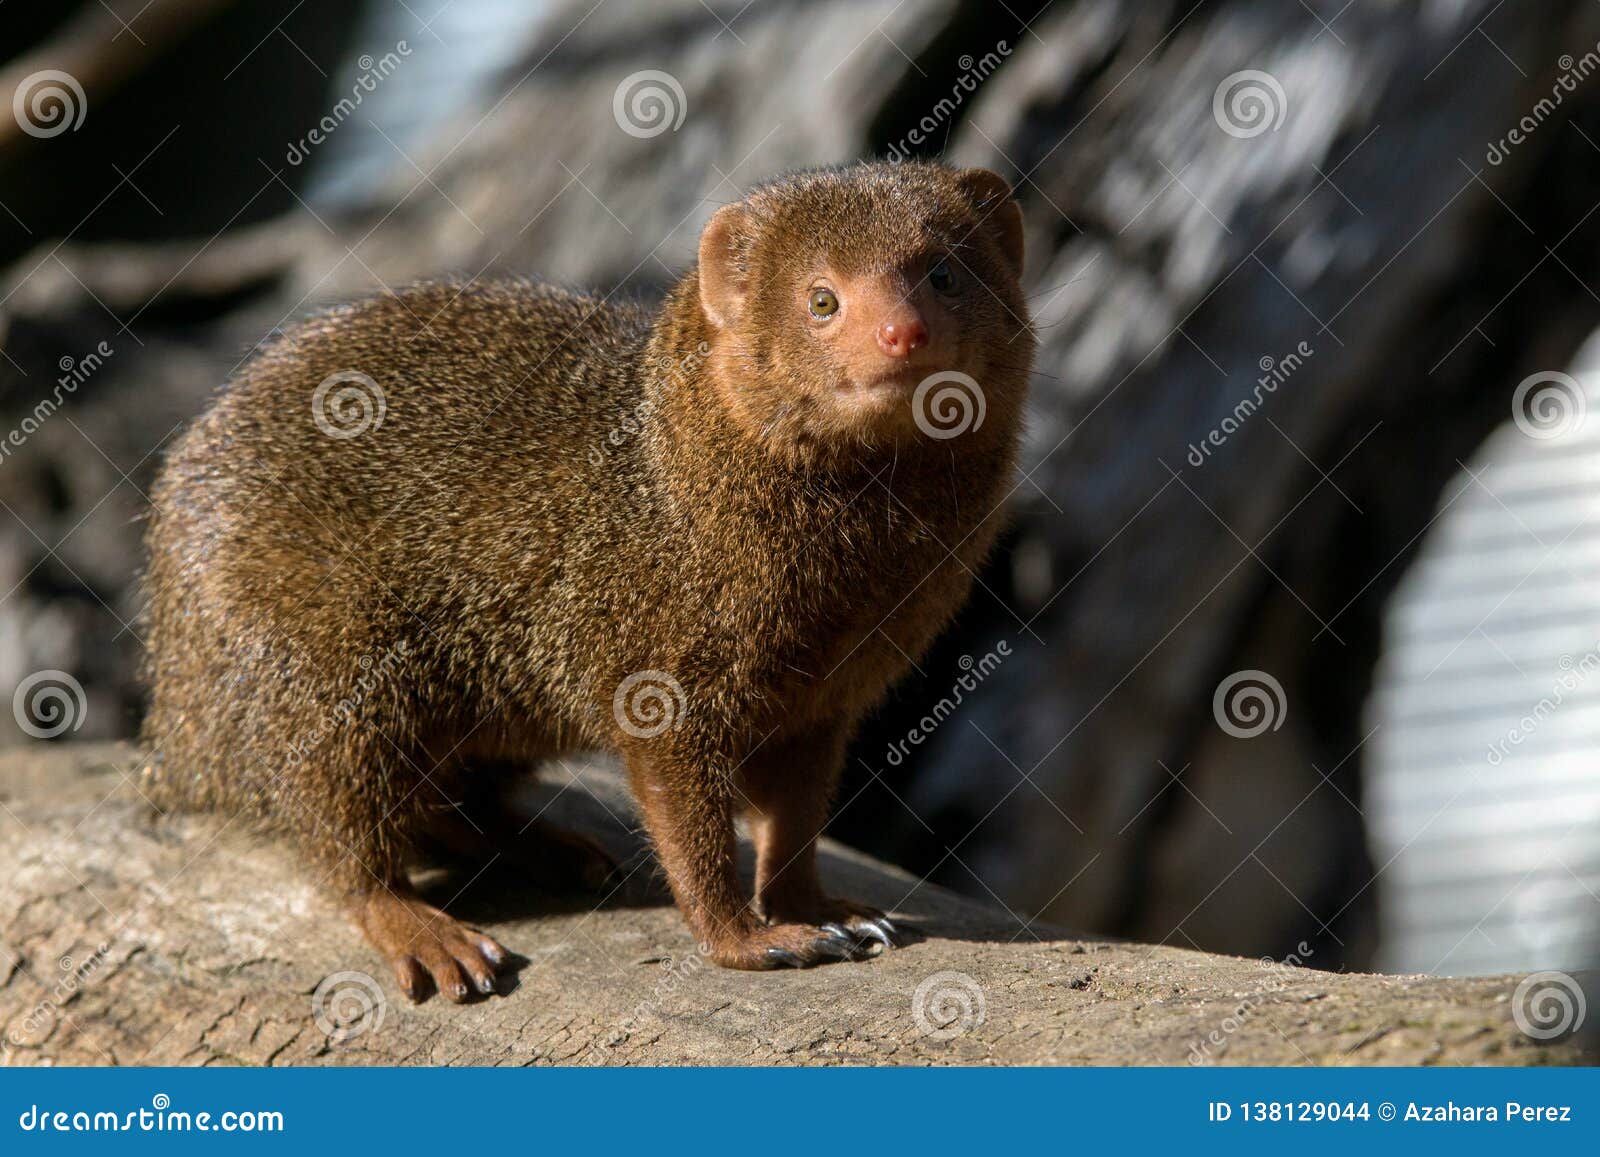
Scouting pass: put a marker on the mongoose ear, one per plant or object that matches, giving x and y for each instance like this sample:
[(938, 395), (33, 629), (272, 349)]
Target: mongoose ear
[(722, 275), (998, 209)]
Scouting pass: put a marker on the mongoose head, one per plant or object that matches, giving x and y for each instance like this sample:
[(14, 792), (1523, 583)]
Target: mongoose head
[(871, 306)]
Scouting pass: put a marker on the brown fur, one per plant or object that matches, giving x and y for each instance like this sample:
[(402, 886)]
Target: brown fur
[(564, 492)]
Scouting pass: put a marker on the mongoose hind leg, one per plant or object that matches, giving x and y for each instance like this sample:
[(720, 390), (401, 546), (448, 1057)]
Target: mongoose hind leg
[(424, 945), (379, 833)]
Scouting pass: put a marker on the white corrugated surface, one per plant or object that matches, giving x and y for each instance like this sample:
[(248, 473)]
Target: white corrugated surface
[(456, 48), (1489, 850)]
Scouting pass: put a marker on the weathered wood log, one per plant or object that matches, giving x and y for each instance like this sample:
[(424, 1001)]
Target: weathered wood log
[(127, 938)]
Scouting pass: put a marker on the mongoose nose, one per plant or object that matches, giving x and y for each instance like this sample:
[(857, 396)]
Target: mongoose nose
[(898, 338)]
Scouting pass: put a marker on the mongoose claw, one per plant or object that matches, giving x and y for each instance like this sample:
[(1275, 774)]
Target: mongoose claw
[(800, 946), (880, 930), (848, 932), (842, 942), (838, 944)]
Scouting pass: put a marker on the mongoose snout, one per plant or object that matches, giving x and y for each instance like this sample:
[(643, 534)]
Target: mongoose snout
[(902, 334), (704, 536)]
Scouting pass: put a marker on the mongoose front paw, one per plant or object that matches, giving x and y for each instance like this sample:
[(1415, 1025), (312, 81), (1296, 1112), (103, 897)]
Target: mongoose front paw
[(795, 946), (869, 927), (423, 944)]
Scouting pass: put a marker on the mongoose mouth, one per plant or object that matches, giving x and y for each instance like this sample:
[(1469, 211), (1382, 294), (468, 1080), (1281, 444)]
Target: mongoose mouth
[(878, 399), (895, 382)]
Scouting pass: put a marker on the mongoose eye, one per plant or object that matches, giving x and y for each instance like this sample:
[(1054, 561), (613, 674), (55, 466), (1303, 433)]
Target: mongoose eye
[(824, 303), (940, 277)]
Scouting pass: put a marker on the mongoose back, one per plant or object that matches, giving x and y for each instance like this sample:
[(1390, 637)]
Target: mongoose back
[(472, 525)]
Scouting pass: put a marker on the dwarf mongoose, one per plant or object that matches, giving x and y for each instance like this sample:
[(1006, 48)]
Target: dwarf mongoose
[(474, 525)]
